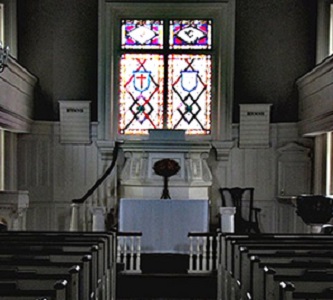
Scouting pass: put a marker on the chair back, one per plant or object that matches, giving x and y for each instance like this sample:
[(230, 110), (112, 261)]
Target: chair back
[(235, 197)]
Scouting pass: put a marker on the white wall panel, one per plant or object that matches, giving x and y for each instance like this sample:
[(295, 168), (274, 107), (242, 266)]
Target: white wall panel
[(55, 173)]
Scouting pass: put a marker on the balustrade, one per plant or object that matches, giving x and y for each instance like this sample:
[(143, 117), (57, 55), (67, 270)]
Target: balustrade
[(129, 251), (202, 252)]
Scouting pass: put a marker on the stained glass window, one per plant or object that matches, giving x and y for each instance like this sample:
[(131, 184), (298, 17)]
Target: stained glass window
[(141, 93), (161, 87), (189, 97), (142, 34), (190, 34)]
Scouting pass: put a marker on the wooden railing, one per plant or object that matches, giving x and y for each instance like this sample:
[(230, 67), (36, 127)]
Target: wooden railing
[(203, 252), (88, 212), (129, 251)]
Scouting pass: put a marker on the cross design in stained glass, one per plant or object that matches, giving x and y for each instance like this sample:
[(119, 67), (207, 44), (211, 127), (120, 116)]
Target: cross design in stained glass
[(148, 101), (189, 93), (141, 93)]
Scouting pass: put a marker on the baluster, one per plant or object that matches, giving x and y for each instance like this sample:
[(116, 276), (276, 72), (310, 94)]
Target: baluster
[(119, 249), (125, 253), (198, 254), (210, 253), (204, 253), (218, 254), (191, 254), (131, 263), (138, 255)]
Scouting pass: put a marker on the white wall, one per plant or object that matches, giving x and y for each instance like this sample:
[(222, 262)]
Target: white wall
[(55, 173)]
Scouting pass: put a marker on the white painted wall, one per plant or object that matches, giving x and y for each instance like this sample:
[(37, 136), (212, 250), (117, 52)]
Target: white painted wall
[(55, 173)]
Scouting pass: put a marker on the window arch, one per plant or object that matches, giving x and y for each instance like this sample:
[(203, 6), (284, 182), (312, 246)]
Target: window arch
[(218, 112)]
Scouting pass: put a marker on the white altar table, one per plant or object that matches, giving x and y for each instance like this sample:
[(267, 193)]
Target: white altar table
[(164, 223)]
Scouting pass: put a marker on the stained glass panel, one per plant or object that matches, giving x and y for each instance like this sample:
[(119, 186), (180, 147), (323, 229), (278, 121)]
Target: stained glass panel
[(190, 34), (142, 34), (141, 93), (189, 93)]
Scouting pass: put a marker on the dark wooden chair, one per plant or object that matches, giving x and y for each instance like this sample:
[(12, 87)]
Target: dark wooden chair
[(247, 216)]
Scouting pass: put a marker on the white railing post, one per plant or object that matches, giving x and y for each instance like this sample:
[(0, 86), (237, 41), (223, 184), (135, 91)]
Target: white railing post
[(191, 255), (131, 256), (201, 254), (204, 253), (211, 253), (74, 226), (138, 254), (119, 249), (129, 252), (198, 254)]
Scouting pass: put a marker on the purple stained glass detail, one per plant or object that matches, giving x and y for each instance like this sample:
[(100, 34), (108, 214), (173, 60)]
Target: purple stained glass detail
[(142, 34), (190, 34)]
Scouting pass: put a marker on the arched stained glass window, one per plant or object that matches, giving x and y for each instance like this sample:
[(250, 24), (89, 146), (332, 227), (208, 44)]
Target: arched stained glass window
[(165, 76)]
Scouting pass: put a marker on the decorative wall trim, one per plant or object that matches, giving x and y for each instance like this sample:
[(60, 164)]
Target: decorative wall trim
[(223, 149)]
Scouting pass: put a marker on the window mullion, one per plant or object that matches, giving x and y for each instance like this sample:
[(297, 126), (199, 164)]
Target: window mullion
[(166, 72)]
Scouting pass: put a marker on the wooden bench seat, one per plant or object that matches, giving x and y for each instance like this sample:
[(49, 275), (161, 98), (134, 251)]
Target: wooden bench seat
[(9, 291), (236, 277), (86, 282), (108, 238), (287, 292), (40, 272), (93, 252), (245, 265), (258, 285), (28, 280), (305, 283)]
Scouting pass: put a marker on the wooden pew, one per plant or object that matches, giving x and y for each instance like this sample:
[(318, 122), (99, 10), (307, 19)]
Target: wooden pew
[(9, 291), (244, 265), (105, 260), (57, 258), (287, 292), (31, 280), (292, 267), (306, 285), (103, 274), (234, 250), (42, 268), (107, 282)]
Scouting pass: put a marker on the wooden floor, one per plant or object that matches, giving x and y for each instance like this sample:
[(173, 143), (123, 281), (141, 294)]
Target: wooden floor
[(165, 277)]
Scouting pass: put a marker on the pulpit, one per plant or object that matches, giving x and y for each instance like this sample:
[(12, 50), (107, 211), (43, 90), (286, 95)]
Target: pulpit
[(13, 207), (164, 223), (138, 178)]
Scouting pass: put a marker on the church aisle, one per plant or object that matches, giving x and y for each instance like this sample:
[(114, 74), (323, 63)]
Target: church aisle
[(166, 286), (165, 277)]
